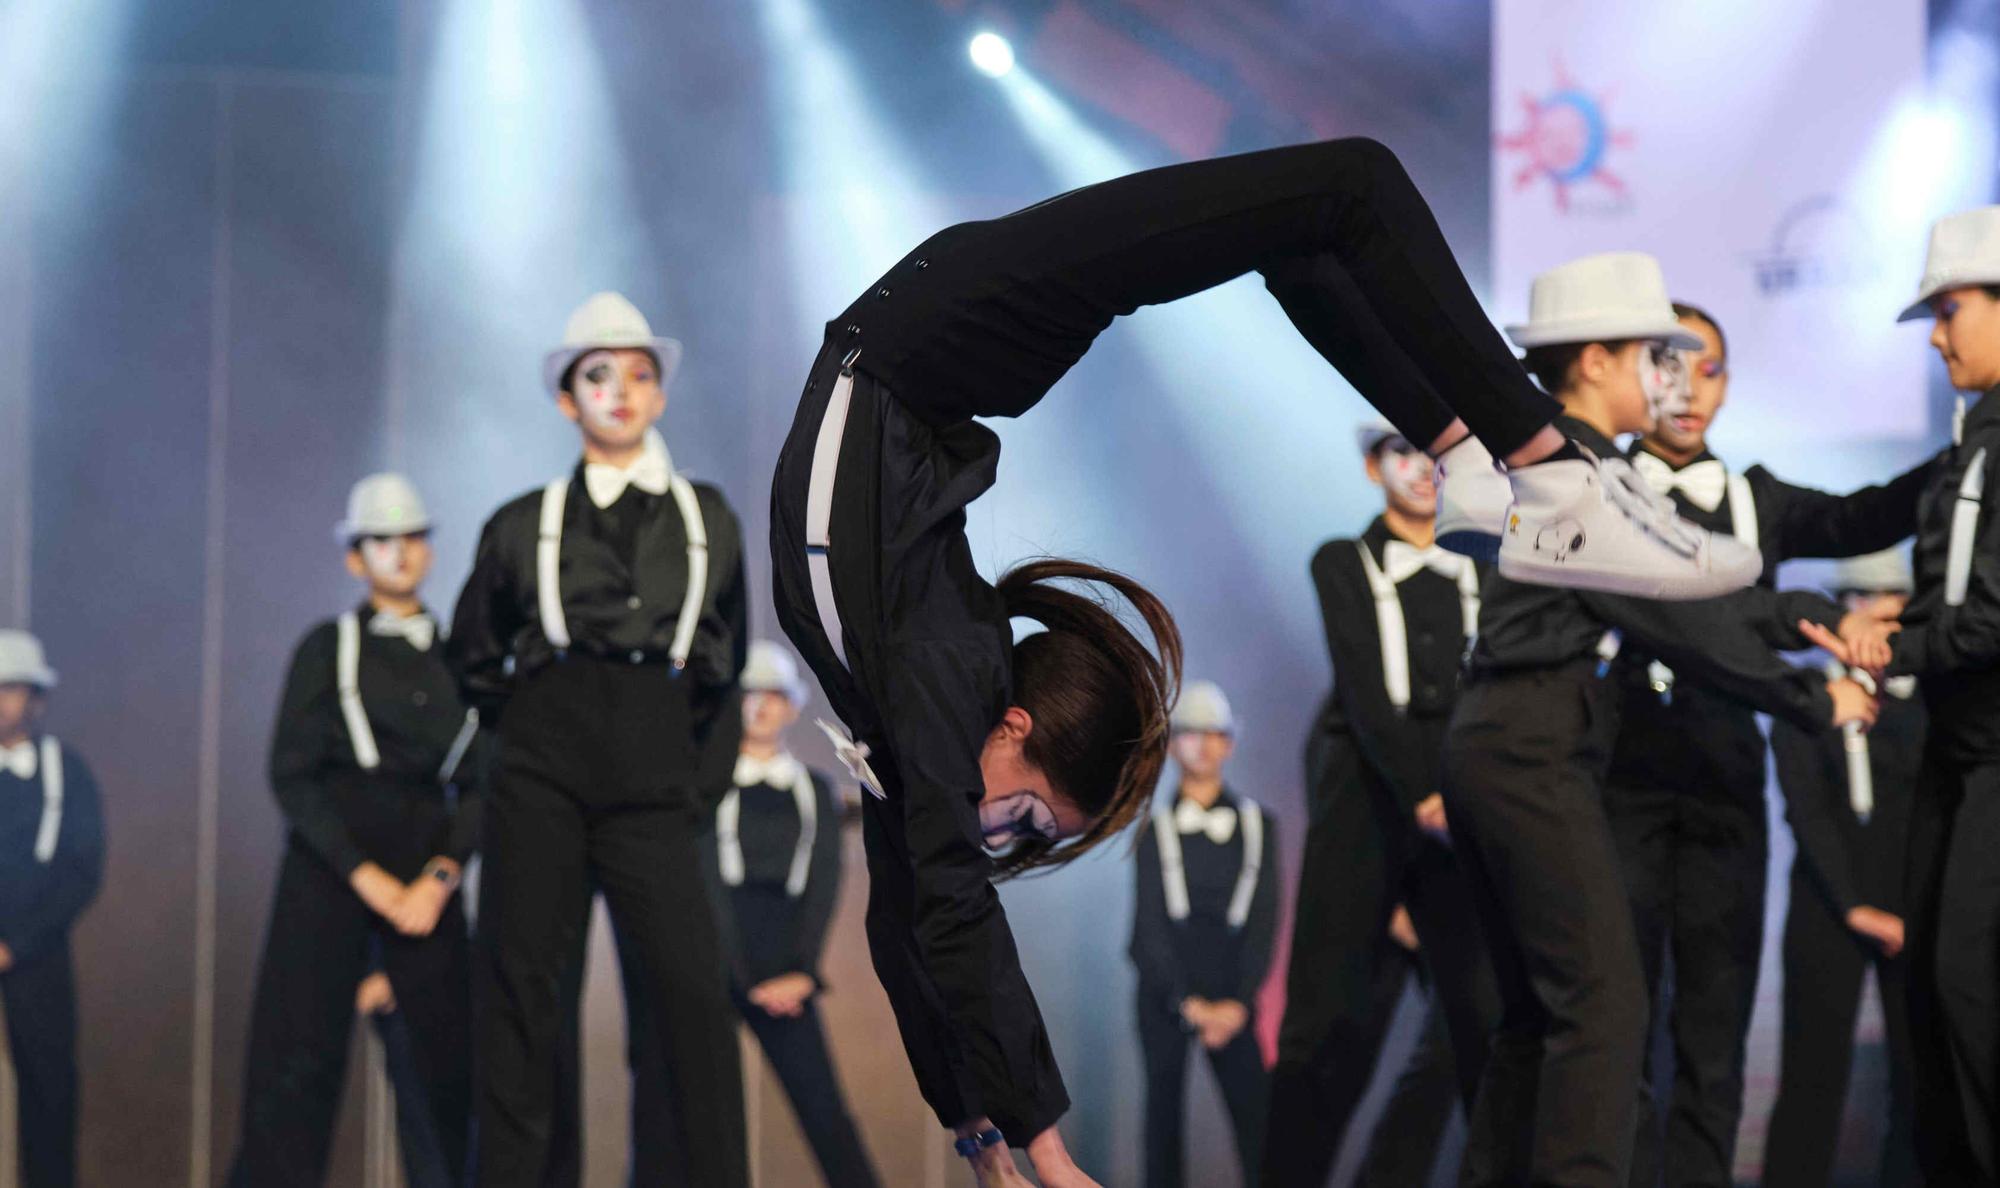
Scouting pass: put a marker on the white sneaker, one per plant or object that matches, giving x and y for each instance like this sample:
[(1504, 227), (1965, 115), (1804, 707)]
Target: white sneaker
[(1472, 500), (1595, 525)]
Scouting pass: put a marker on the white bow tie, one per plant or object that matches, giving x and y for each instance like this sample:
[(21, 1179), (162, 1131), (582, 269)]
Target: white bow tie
[(1219, 822), (21, 759), (854, 757), (779, 771), (651, 472), (419, 629), (1401, 560), (1702, 482)]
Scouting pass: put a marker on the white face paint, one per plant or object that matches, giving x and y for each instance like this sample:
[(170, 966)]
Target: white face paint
[(1664, 378), (382, 557), (599, 391), (1004, 821), (1407, 476)]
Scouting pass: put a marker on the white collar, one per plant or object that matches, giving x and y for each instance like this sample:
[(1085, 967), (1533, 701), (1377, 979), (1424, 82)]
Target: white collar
[(652, 471), (779, 771)]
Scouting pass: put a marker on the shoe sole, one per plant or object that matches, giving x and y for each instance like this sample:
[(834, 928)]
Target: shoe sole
[(1690, 588), (1471, 542)]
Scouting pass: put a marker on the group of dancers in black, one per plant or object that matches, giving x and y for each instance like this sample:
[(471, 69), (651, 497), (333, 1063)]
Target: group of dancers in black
[(1536, 785)]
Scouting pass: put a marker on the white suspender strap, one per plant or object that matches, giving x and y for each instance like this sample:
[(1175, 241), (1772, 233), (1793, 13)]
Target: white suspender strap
[(548, 564), (1468, 597), (52, 800), (1742, 511), (448, 770), (802, 854), (1173, 868), (1250, 819), (1389, 627), (728, 841), (697, 579), (819, 508), (347, 681), (1964, 530)]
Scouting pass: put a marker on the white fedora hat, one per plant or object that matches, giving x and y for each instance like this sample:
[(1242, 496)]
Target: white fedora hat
[(770, 668), (383, 505), (1203, 706), (608, 322), (1608, 297), (1371, 433), (1885, 572), (1965, 250), (22, 662)]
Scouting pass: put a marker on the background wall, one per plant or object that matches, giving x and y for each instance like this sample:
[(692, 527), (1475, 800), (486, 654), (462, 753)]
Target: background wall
[(251, 252)]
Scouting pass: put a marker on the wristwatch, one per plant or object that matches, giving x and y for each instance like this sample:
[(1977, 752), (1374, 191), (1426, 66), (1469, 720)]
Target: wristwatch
[(971, 1145)]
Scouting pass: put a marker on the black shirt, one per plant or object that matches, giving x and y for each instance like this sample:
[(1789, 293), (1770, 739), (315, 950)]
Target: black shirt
[(932, 654), (1726, 641), (1956, 649), (1846, 861), (40, 901), (1203, 955), (769, 931), (624, 573), (400, 814)]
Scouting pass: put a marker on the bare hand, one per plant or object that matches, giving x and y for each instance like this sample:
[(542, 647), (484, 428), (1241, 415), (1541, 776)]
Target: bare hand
[(1878, 926), (380, 890), (1430, 817), (1852, 703), (1866, 634), (6, 958), (374, 996), (1840, 649), (1226, 1020), (422, 903), (994, 1166), (1052, 1163), (1402, 929), (784, 997)]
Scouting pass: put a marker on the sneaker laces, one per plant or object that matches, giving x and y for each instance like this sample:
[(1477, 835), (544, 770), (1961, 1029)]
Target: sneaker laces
[(1652, 511)]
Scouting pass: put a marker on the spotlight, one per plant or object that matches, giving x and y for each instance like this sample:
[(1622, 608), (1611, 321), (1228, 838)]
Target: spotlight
[(991, 54)]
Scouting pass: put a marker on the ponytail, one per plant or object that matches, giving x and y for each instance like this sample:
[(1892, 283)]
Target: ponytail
[(1099, 698)]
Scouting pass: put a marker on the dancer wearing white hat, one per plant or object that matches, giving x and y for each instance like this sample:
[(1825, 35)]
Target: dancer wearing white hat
[(605, 612), (375, 765), (1204, 923), (1848, 799), (1950, 640), (51, 863), (1528, 746), (1378, 872)]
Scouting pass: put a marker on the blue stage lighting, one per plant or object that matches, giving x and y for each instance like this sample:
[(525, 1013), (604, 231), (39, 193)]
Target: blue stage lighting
[(992, 54)]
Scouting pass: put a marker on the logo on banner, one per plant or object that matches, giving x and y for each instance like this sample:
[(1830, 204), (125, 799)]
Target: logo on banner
[(1819, 243), (1566, 139)]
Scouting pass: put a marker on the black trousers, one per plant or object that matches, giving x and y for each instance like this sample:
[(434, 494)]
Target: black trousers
[(322, 941), (798, 1053), (1825, 964), (1238, 1065), (40, 997), (590, 793), (1403, 1148), (424, 1162), (1524, 777), (1695, 862), (1952, 935)]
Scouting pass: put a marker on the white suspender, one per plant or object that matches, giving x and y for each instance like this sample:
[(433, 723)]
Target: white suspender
[(1964, 530), (347, 679), (729, 837), (1854, 742), (819, 508), (1173, 867), (459, 746), (52, 800), (1390, 628), (548, 566), (1393, 633), (1742, 511)]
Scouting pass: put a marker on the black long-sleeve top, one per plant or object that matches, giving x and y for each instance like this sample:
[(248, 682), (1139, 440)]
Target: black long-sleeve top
[(1202, 955), (768, 932), (1955, 650), (1845, 861), (401, 812), (1403, 749), (932, 653), (1653, 748), (1728, 642), (40, 901)]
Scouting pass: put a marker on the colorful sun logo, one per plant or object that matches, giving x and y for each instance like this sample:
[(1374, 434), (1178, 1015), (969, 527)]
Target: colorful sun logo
[(1565, 139)]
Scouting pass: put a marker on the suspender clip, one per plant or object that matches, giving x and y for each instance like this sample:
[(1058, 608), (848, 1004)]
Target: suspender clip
[(847, 364)]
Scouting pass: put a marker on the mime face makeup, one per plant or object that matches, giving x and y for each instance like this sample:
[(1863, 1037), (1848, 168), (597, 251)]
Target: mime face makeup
[(1406, 475), (394, 565), (614, 397), (1008, 819)]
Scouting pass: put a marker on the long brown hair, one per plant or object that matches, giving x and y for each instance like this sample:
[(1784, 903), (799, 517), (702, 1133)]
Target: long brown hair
[(1098, 696)]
